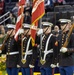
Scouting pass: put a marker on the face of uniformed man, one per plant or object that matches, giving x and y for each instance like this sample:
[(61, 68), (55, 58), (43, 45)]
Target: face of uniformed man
[(47, 30), (26, 31), (65, 27), (11, 32)]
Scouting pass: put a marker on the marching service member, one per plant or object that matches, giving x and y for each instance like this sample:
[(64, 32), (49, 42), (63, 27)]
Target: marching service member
[(47, 51), (26, 51), (66, 61), (11, 51)]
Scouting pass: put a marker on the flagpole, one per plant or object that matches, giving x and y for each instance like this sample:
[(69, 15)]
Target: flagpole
[(22, 17), (22, 9), (40, 25), (21, 34), (19, 23)]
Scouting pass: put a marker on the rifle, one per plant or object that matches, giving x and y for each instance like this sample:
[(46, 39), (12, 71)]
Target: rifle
[(6, 38), (68, 37)]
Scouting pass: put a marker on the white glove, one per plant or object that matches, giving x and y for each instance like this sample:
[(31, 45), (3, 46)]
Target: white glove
[(40, 31), (21, 31), (57, 64), (31, 66), (18, 66), (53, 65), (63, 50)]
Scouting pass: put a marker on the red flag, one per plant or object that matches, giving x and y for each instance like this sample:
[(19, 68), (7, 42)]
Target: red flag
[(37, 12), (20, 18), (21, 2)]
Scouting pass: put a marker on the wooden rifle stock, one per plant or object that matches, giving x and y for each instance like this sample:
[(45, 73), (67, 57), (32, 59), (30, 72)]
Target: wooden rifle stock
[(68, 37), (2, 47)]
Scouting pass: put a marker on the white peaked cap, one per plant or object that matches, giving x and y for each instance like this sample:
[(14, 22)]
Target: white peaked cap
[(10, 26), (47, 24), (26, 25), (64, 20)]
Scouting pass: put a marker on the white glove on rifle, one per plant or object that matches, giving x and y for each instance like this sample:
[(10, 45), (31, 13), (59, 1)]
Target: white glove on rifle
[(31, 66), (40, 31), (63, 50), (21, 31), (53, 65)]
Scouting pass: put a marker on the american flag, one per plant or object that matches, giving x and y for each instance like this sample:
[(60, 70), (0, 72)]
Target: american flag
[(19, 18)]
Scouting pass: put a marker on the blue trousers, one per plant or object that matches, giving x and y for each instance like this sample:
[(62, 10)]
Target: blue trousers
[(68, 70), (26, 71), (12, 71), (46, 71)]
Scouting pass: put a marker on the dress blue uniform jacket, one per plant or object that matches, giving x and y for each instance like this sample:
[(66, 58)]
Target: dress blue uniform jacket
[(10, 48)]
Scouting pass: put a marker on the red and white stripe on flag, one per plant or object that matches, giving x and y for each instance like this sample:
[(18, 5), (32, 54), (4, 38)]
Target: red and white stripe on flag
[(19, 18), (38, 11)]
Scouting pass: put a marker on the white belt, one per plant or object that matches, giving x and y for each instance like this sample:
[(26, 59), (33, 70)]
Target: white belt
[(49, 51), (27, 53), (12, 53)]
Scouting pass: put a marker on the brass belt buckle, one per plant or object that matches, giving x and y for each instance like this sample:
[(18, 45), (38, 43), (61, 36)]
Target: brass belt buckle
[(23, 61), (42, 61)]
